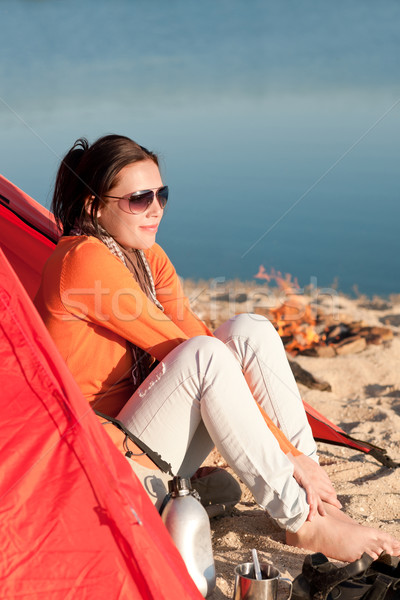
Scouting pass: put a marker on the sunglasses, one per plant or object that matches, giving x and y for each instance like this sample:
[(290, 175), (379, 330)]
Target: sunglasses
[(138, 202)]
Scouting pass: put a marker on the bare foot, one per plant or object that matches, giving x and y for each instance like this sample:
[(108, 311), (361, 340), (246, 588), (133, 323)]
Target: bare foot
[(339, 514), (342, 538)]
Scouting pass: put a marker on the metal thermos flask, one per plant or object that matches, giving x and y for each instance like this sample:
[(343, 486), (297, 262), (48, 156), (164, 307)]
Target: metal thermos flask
[(189, 526)]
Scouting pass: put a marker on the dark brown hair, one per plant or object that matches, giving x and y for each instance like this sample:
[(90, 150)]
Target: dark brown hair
[(91, 170)]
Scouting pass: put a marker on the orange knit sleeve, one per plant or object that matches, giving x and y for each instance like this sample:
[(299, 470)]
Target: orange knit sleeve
[(96, 286), (170, 294)]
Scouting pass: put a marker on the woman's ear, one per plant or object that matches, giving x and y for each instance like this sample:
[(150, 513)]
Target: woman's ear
[(88, 205)]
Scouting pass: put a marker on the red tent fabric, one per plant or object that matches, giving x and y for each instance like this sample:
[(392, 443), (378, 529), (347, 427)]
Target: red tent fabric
[(326, 431), (75, 521), (28, 234)]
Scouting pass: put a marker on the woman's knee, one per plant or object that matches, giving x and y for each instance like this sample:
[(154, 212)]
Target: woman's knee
[(247, 325), (205, 346)]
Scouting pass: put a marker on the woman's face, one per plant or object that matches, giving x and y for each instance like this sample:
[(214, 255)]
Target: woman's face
[(133, 231)]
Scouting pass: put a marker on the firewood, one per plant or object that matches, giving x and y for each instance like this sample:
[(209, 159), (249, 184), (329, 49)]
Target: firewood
[(322, 351), (307, 379), (351, 345), (382, 332)]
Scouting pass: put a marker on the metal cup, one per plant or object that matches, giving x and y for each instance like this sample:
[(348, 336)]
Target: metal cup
[(247, 587)]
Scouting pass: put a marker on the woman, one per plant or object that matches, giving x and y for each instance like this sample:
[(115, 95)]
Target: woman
[(113, 303)]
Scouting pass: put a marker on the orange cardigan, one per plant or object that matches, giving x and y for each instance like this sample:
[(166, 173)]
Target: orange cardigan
[(92, 306)]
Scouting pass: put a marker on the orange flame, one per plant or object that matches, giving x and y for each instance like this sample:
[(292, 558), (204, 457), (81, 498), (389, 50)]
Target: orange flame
[(294, 319)]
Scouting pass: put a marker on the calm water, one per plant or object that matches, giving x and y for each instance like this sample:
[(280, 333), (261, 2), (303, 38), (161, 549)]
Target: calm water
[(277, 122)]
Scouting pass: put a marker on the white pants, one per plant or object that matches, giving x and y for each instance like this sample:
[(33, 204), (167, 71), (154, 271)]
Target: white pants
[(202, 395)]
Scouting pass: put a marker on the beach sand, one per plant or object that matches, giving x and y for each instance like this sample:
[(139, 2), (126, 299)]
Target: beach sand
[(364, 401)]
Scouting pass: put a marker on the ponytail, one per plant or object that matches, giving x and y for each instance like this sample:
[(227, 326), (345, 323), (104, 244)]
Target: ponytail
[(70, 190)]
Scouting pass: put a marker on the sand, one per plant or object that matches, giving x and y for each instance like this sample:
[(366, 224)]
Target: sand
[(364, 401)]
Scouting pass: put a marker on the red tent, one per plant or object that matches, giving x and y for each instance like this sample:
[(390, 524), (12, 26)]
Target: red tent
[(76, 523)]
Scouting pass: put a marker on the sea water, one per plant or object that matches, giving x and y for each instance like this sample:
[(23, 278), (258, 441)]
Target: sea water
[(277, 124)]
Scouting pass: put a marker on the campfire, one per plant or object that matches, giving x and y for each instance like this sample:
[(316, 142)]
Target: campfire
[(305, 328)]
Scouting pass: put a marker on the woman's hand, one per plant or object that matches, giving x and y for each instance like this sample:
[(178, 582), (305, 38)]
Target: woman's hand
[(315, 482)]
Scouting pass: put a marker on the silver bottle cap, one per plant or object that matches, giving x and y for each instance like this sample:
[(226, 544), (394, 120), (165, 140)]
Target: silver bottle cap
[(179, 486)]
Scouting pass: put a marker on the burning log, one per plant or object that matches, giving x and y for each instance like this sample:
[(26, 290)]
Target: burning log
[(348, 339), (305, 330), (351, 345)]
